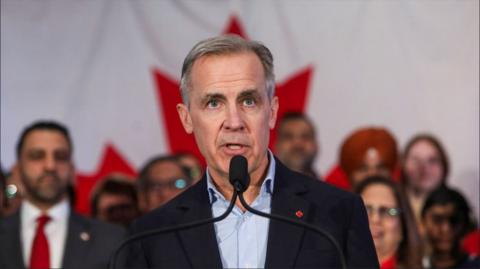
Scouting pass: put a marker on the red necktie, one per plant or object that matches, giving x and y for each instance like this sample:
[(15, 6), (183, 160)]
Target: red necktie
[(40, 258)]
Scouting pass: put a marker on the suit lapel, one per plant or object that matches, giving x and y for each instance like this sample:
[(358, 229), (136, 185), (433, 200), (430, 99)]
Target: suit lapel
[(284, 239), (199, 243), (78, 240), (11, 242)]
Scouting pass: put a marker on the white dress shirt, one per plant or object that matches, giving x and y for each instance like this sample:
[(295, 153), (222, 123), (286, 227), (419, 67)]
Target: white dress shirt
[(242, 236), (55, 230)]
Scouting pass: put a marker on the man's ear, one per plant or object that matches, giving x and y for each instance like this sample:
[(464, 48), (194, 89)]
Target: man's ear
[(273, 112), (185, 118)]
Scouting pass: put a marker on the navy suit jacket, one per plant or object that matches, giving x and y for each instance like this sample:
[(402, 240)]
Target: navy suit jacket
[(89, 244), (340, 213)]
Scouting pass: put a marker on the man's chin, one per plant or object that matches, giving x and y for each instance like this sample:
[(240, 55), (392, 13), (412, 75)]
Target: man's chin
[(49, 198)]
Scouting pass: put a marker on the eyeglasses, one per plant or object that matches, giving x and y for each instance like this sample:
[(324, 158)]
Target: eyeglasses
[(383, 211), (173, 184)]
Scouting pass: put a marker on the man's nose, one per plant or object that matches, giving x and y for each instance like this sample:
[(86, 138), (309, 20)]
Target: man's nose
[(234, 120), (49, 163)]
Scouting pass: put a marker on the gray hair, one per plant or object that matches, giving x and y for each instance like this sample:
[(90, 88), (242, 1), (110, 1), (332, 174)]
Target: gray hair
[(222, 45)]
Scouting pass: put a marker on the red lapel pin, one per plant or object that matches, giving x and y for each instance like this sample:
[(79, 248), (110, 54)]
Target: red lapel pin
[(299, 213)]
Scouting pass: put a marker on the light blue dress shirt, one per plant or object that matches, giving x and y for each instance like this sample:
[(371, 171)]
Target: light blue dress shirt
[(242, 236)]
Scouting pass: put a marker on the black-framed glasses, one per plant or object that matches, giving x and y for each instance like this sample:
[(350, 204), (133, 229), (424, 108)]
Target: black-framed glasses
[(383, 211)]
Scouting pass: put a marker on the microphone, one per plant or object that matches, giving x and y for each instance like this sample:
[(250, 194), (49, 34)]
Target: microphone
[(238, 173), (239, 178), (241, 170)]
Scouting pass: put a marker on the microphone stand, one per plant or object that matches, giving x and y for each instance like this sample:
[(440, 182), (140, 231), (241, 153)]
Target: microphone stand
[(113, 259), (297, 223)]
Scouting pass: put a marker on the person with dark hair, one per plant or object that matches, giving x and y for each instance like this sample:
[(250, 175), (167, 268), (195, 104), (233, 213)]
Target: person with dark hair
[(425, 167), (161, 179), (391, 223), (115, 200), (229, 105), (45, 232), (447, 219), (296, 145)]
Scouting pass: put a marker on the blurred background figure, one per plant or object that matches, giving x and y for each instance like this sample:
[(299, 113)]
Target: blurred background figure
[(366, 152), (115, 200), (45, 232), (296, 145), (160, 180), (447, 219), (392, 225), (425, 167), (192, 164)]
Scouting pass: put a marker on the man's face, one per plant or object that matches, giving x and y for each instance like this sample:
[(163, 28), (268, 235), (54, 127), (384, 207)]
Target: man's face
[(443, 226), (296, 145), (166, 180), (372, 165), (230, 112), (45, 167)]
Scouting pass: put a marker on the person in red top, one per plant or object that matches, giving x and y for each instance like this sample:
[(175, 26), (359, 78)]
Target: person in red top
[(391, 223)]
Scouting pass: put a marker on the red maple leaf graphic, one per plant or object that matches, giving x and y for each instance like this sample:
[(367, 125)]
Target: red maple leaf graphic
[(111, 162), (234, 27), (292, 94)]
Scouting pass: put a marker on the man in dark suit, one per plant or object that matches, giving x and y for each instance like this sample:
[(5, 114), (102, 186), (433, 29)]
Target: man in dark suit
[(45, 233), (229, 104)]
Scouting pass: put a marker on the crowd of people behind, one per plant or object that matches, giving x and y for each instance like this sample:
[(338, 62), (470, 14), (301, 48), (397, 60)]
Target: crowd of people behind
[(416, 219)]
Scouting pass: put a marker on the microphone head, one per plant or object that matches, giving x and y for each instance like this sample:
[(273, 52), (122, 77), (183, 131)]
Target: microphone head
[(238, 173)]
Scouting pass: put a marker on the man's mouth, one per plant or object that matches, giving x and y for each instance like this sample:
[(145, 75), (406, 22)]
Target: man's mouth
[(234, 146), (234, 149)]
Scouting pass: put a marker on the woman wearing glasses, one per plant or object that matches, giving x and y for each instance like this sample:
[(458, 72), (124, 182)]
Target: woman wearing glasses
[(391, 223)]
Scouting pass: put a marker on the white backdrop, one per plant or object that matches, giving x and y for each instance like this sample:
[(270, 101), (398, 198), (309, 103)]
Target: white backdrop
[(411, 66)]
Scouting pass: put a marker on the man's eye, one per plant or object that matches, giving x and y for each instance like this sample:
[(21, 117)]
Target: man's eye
[(249, 102), (213, 103), (36, 155), (62, 156)]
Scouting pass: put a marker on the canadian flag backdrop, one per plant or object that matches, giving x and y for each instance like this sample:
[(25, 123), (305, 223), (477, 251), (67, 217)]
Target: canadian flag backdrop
[(110, 71)]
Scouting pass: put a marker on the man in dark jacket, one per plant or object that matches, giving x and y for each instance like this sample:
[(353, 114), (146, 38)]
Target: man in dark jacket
[(229, 105), (45, 233)]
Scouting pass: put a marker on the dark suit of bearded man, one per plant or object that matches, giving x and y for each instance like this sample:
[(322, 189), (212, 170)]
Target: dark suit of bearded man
[(89, 243)]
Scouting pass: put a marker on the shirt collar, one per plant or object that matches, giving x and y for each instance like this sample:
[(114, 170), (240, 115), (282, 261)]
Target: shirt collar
[(58, 213), (265, 189)]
